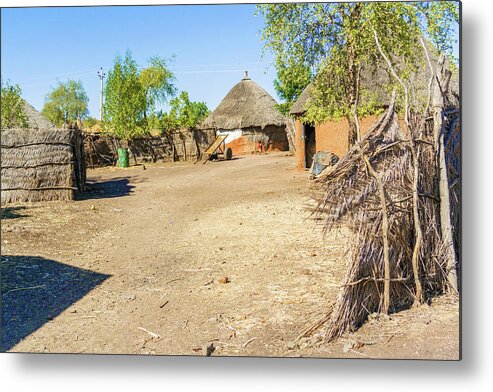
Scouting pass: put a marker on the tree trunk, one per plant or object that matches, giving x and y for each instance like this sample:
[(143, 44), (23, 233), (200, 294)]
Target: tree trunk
[(291, 134), (353, 77), (441, 87), (352, 132)]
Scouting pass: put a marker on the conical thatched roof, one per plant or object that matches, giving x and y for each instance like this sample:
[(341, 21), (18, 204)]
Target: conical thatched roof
[(246, 105), (300, 105), (35, 118), (373, 81)]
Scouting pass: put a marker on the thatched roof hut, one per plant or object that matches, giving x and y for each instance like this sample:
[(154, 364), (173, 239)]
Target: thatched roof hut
[(300, 105), (246, 105), (373, 81), (35, 119), (249, 114), (41, 165), (376, 80), (332, 136)]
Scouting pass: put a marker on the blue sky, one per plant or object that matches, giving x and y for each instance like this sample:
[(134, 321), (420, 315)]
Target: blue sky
[(212, 45)]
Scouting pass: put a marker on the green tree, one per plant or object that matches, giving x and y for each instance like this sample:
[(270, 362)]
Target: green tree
[(66, 103), (13, 114), (125, 101), (183, 113), (132, 95), (337, 41), (290, 82), (157, 81)]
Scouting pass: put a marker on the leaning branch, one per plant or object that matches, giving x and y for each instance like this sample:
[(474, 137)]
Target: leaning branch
[(385, 231), (355, 109), (415, 191)]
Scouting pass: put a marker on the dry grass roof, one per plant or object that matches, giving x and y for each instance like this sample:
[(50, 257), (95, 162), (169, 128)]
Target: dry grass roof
[(374, 82), (35, 119), (246, 105), (300, 105), (377, 81)]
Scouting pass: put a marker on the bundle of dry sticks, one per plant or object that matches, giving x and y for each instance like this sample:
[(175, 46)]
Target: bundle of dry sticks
[(397, 189)]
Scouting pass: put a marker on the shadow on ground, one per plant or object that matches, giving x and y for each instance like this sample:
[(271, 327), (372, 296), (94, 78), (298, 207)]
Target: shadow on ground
[(12, 213), (36, 290), (214, 159), (96, 189)]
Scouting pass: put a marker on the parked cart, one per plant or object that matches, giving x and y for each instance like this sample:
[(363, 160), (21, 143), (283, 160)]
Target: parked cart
[(218, 150)]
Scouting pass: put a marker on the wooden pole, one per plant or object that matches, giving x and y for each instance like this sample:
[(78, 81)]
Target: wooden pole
[(441, 86), (415, 192)]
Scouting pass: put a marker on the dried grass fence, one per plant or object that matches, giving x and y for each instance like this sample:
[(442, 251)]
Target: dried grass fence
[(399, 193), (41, 164), (183, 145)]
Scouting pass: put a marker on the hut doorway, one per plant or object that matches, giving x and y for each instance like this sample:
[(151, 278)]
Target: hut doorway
[(310, 144)]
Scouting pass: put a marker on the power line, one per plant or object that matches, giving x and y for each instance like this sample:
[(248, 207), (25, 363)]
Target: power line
[(51, 77), (216, 71), (180, 69)]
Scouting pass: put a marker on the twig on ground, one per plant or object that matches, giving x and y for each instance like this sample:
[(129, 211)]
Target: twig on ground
[(248, 342), (164, 304), (316, 325), (25, 288), (174, 280), (154, 335), (390, 338)]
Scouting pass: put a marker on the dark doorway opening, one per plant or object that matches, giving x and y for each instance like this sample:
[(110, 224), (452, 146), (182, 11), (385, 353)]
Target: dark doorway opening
[(310, 144)]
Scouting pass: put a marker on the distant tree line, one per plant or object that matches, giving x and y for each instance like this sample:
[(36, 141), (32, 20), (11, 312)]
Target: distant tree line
[(132, 98)]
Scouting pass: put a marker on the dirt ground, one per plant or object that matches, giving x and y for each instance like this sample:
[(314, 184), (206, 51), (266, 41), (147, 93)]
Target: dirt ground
[(176, 257)]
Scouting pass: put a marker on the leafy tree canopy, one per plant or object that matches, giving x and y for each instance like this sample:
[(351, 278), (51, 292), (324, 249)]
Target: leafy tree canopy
[(183, 113), (13, 114), (124, 104), (290, 82), (157, 81), (66, 103), (336, 41), (132, 94)]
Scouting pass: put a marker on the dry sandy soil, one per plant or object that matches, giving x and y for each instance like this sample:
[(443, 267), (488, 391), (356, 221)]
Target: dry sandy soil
[(174, 258)]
